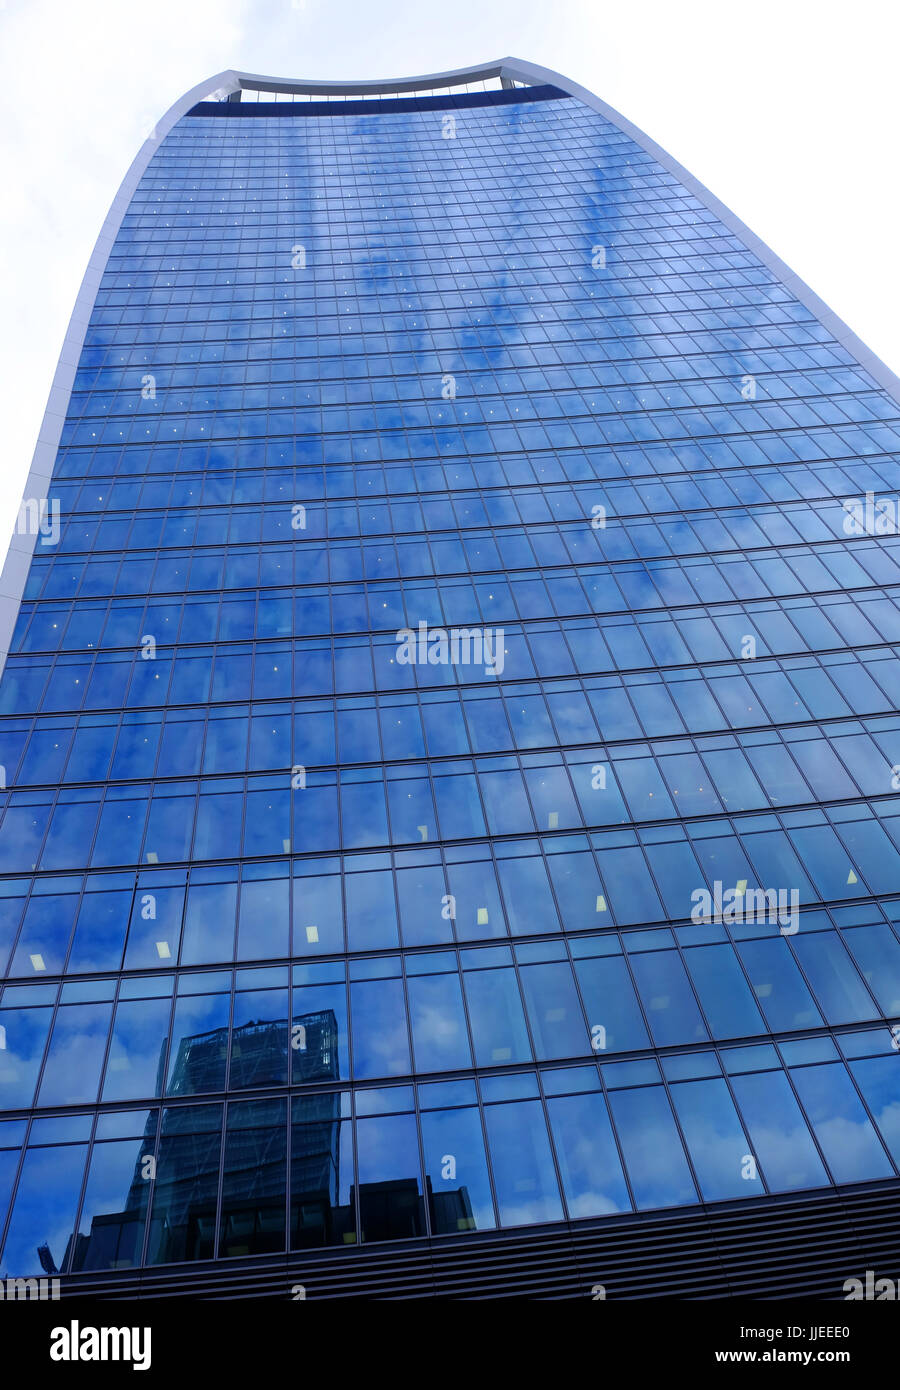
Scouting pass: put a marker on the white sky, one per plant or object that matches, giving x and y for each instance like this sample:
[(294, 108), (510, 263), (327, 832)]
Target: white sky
[(786, 109)]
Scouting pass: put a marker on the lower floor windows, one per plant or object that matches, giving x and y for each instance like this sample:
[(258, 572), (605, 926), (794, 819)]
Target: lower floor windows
[(186, 1181)]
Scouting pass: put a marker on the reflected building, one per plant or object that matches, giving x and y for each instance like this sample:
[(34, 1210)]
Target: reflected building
[(450, 1211), (185, 1179)]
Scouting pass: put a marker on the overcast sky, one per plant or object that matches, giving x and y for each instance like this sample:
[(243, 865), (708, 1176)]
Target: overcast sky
[(786, 109)]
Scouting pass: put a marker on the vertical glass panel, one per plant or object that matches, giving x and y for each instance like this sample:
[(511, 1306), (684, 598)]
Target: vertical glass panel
[(495, 1012), (154, 935), (9, 1166), (318, 926), (592, 1178), (263, 922), (840, 1123), (456, 1175), (781, 1140), (120, 832), (554, 1011), (135, 1066), (322, 1183), (614, 1015), (579, 892), (412, 811), (259, 1039), (114, 1210), (440, 1037), (185, 1193), (390, 1184), (44, 938), (667, 997), (459, 806), (524, 1173), (629, 887), (827, 863), (877, 953), (425, 912), (315, 811), (169, 826), (527, 896), (24, 1035), (43, 1217), (724, 993), (100, 931), (320, 1034), (10, 916), (833, 976), (199, 1046), (252, 1219), (371, 911), (380, 1038), (778, 984), (716, 1140), (477, 912), (68, 839), (363, 813), (879, 1081), (653, 1152), (506, 802), (75, 1055), (209, 923), (267, 823), (218, 830)]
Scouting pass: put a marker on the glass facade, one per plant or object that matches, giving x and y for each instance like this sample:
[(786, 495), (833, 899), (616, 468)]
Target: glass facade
[(311, 938)]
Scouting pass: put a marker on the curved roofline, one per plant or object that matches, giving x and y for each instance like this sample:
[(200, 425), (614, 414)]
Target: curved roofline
[(231, 81), (379, 87)]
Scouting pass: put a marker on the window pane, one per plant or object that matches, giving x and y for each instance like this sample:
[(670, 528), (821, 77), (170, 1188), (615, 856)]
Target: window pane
[(183, 1212), (716, 1141), (654, 1155), (380, 1038), (456, 1171), (554, 1011), (667, 997), (253, 1182), (44, 1212), (778, 1132), (114, 1211), (495, 1012), (321, 1173), (390, 1187), (524, 1176), (843, 1129), (589, 1165), (440, 1040)]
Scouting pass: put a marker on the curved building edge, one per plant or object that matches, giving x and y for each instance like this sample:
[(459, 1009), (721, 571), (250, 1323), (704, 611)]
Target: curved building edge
[(230, 82)]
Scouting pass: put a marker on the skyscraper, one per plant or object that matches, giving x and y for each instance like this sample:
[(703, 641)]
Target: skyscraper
[(450, 828)]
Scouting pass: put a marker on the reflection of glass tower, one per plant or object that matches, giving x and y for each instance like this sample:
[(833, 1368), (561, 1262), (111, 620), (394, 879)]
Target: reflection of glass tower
[(258, 1053), (314, 1044), (190, 1180), (355, 363), (315, 1170)]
